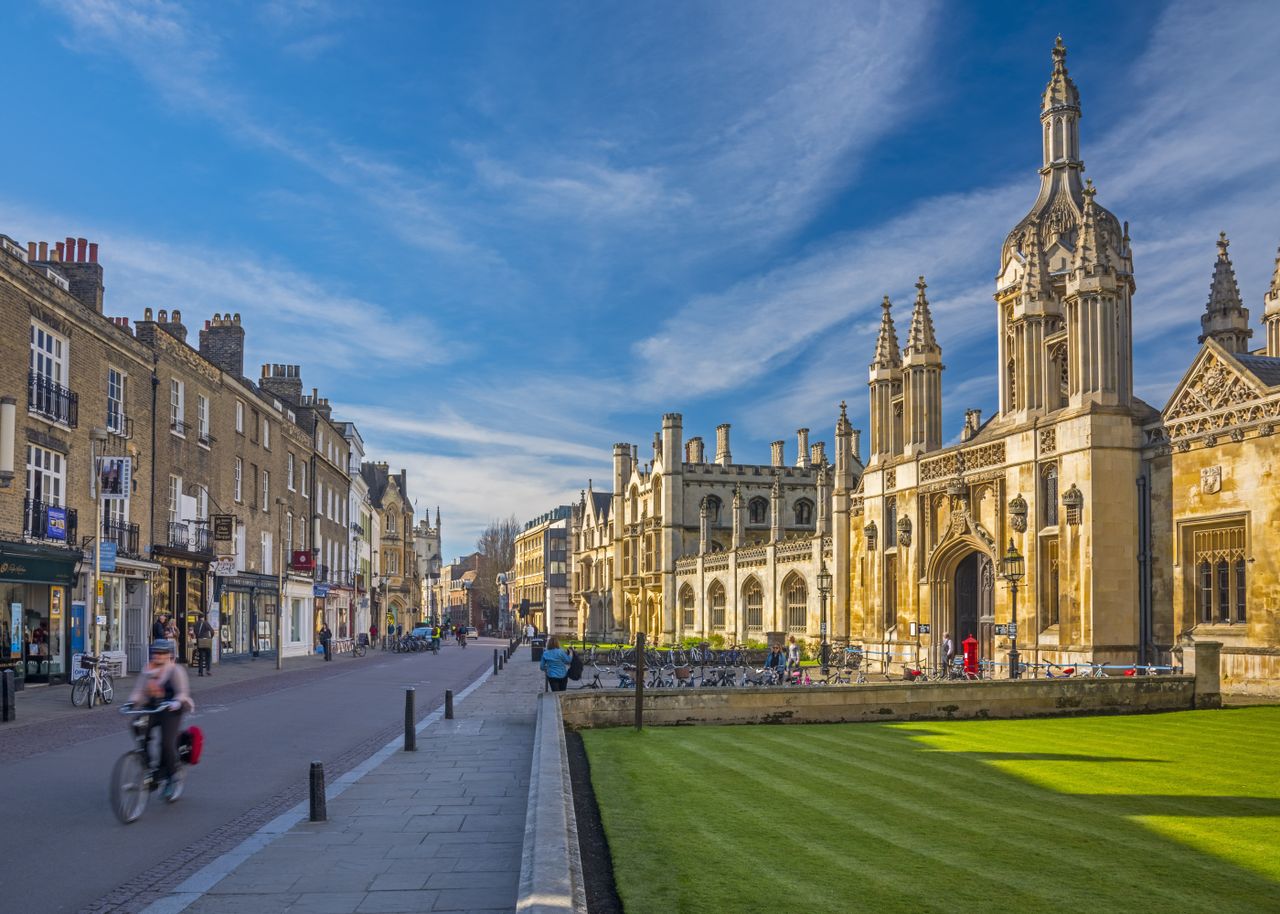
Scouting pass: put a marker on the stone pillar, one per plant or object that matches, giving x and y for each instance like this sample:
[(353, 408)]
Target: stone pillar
[(777, 458), (1206, 667)]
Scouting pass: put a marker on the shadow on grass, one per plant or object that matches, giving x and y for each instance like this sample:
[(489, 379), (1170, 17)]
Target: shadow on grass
[(1048, 757)]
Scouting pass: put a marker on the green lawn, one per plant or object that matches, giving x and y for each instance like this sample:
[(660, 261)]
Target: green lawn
[(1168, 812)]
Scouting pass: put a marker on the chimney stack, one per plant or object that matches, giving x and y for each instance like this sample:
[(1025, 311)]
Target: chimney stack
[(776, 458), (818, 454), (723, 457), (802, 447), (77, 263), (222, 343), (693, 450)]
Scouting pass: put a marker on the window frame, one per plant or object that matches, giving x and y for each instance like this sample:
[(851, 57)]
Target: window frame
[(177, 407)]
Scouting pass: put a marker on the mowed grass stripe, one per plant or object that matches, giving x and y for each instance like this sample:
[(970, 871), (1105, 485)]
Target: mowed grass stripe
[(818, 817)]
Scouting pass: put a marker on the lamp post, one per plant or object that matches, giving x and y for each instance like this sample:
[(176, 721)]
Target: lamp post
[(1012, 569), (824, 588), (99, 437), (280, 506)]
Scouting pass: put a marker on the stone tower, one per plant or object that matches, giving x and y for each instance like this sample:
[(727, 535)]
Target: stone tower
[(1271, 312), (1225, 317), (1065, 284), (886, 390), (921, 381)]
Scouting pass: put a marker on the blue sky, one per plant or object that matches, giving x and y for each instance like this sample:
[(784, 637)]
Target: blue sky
[(503, 236)]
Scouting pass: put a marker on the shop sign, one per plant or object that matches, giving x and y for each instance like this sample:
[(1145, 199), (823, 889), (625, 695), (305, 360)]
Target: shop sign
[(15, 629), (113, 476), (224, 528), (107, 556), (49, 571), (320, 590), (55, 519), (223, 568)]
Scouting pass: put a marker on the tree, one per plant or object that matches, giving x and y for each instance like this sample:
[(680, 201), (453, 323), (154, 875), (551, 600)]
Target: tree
[(497, 548)]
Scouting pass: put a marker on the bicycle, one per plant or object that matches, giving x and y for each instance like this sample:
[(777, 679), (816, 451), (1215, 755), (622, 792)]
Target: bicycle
[(359, 646), (134, 777), (97, 685)]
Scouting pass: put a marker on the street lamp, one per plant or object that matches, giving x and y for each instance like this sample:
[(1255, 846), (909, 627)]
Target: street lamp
[(280, 506), (98, 436), (824, 588), (1012, 569)]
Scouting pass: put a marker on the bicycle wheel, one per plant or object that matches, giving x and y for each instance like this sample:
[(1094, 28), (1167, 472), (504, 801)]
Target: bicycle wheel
[(129, 787), (108, 688), (358, 650), (177, 783), (80, 691)]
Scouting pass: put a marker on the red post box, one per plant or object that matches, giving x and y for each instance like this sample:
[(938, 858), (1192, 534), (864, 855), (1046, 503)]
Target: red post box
[(970, 647)]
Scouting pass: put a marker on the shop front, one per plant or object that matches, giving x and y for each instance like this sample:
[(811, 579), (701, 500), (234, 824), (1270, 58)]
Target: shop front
[(122, 624), (36, 625), (300, 625), (246, 613), (181, 593)]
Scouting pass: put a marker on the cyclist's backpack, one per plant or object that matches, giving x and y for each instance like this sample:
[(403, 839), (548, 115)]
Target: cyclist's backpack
[(575, 667), (190, 745)]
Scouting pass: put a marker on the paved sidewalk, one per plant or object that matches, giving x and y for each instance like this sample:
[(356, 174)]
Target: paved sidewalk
[(439, 829)]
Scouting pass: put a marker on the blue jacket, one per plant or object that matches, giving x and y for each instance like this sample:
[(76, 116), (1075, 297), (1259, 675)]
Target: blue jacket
[(555, 663)]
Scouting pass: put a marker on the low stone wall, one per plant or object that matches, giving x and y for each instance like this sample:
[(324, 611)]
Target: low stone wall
[(882, 702)]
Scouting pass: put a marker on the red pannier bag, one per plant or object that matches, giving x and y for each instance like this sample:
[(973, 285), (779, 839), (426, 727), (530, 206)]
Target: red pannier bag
[(190, 745)]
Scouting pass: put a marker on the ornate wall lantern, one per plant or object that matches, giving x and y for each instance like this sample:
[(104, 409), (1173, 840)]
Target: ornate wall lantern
[(1073, 501), (870, 531), (904, 531), (1018, 513)]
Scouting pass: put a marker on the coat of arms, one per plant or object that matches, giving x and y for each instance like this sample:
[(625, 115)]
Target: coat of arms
[(1211, 480)]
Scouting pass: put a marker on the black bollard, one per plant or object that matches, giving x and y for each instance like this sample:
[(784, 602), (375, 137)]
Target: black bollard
[(639, 680), (448, 704), (318, 811), (8, 696), (495, 661), (410, 733), (501, 662)]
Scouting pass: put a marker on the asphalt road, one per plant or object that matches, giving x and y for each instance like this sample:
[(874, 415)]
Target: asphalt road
[(63, 850)]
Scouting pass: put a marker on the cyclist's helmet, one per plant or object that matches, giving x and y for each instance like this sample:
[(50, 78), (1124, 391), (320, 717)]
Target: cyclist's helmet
[(161, 646)]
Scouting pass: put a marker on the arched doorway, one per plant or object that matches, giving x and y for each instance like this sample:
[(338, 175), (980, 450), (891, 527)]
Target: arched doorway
[(973, 611)]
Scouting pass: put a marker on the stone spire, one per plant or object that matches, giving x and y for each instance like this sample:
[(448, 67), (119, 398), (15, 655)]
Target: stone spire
[(1061, 91), (1035, 276), (887, 342), (1092, 254), (1225, 318), (1271, 313), (921, 339), (845, 427)]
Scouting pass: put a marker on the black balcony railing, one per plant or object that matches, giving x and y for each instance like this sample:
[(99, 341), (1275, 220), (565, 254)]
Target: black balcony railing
[(43, 521), (123, 534), (334, 576), (46, 397), (191, 535), (179, 427)]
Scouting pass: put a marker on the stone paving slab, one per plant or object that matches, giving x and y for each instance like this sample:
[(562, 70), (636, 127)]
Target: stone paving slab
[(439, 829)]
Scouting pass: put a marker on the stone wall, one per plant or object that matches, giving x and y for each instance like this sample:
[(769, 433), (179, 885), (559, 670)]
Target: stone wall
[(890, 701)]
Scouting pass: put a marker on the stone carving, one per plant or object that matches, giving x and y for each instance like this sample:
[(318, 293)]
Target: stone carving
[(890, 478), (1211, 480), (870, 531), (1048, 441), (1018, 513), (904, 531), (1215, 386), (1073, 501)]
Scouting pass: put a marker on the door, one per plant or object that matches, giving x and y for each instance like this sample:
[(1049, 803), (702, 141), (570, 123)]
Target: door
[(966, 595)]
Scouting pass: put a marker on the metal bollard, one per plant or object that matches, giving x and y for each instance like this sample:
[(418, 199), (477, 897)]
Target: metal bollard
[(410, 733), (318, 811), (448, 704), (495, 661), (8, 696), (639, 680), (501, 662)]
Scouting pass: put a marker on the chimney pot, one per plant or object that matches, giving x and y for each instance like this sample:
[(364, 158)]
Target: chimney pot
[(44, 250), (177, 316), (146, 314), (69, 252), (802, 447), (31, 250), (82, 249), (57, 255), (778, 459), (93, 252), (208, 324), (236, 319), (164, 315)]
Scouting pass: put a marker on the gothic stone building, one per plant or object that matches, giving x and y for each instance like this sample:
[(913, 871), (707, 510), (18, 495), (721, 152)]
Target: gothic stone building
[(702, 549), (1053, 473)]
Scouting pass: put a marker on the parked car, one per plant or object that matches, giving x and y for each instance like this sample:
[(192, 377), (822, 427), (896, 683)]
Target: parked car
[(470, 632), (422, 631)]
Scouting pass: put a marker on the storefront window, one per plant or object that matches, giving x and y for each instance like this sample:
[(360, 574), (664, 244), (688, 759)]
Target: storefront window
[(266, 623), (296, 619), (33, 630)]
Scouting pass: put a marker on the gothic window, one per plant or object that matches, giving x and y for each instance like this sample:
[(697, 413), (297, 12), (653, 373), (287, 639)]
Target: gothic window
[(804, 513), (1220, 570), (891, 522), (890, 590), (1049, 495), (753, 597), (758, 511), (686, 606), (797, 603), (1052, 580), (635, 505), (713, 510), (716, 598), (1013, 387)]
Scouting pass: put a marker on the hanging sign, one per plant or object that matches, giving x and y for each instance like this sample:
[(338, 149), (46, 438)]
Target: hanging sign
[(55, 525), (114, 477), (224, 528)]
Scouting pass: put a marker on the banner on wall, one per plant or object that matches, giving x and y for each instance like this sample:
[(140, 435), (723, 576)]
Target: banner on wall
[(113, 476), (15, 629)]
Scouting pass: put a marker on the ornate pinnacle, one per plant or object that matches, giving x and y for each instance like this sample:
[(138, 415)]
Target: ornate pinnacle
[(1090, 253), (921, 339), (1224, 293), (1061, 90), (843, 425), (1035, 278), (887, 355), (1273, 294)]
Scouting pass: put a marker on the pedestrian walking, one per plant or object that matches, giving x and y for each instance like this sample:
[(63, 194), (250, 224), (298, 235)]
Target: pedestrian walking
[(204, 646), (326, 637), (793, 655), (530, 632), (555, 663), (948, 652)]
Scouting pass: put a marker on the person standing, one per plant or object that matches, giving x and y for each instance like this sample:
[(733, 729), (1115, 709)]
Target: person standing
[(948, 653), (793, 655), (373, 634), (555, 663), (326, 637), (157, 627), (530, 632), (204, 646)]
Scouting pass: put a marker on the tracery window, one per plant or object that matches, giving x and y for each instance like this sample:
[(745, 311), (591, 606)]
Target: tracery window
[(1049, 495), (1221, 574), (713, 510), (686, 606), (890, 590), (797, 603), (753, 597), (804, 513), (758, 511)]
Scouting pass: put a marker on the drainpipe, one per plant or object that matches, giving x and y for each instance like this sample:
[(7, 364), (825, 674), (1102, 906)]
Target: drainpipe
[(1144, 566)]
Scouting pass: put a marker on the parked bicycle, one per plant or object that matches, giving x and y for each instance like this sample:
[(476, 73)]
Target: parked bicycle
[(96, 686), (360, 645)]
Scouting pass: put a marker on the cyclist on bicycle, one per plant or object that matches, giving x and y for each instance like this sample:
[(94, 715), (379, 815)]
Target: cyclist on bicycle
[(160, 687)]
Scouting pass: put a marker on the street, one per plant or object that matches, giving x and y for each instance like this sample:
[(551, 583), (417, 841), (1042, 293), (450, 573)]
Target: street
[(64, 850)]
